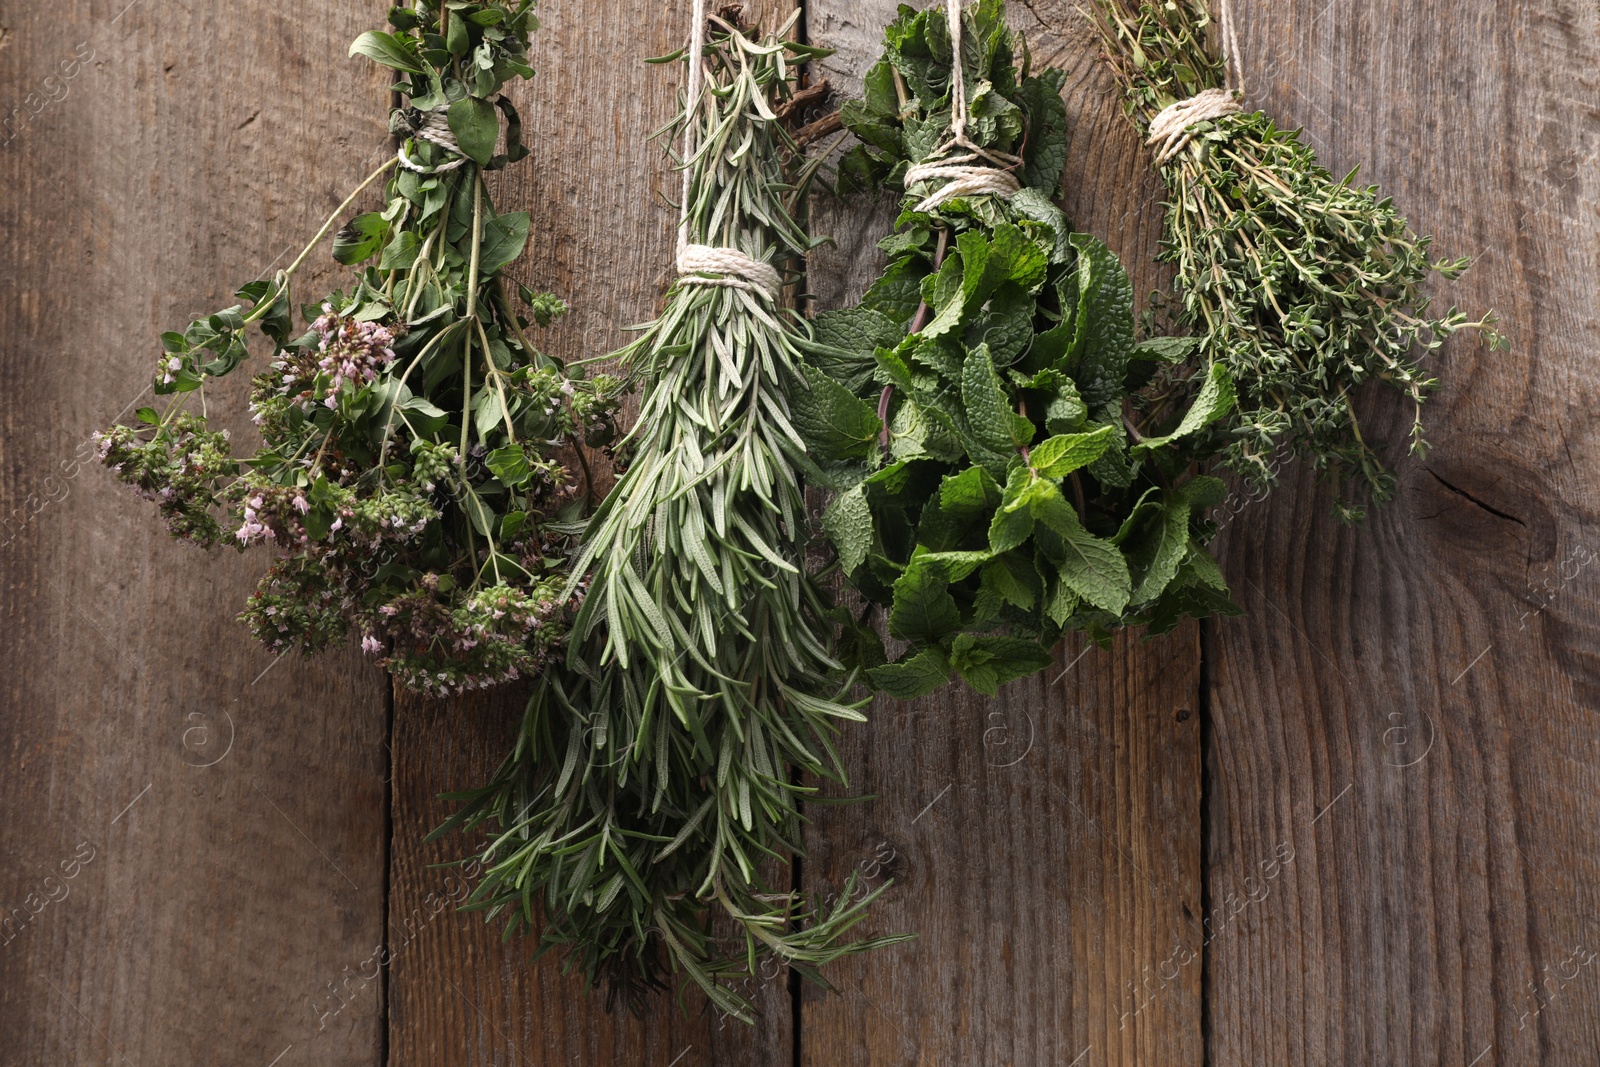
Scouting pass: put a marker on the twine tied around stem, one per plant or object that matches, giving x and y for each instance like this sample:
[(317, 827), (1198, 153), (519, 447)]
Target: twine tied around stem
[(710, 265), (977, 171), (435, 129), (1173, 127)]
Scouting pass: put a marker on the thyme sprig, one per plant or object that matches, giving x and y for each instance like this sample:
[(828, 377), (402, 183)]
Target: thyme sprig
[(1304, 285), (409, 473), (658, 773)]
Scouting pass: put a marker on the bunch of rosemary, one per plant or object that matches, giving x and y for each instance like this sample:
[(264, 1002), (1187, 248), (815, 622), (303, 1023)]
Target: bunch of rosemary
[(658, 773), (408, 473), (1305, 286), (1008, 463)]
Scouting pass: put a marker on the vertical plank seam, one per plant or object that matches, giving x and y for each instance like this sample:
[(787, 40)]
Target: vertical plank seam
[(1203, 708), (384, 1017), (390, 702), (797, 862)]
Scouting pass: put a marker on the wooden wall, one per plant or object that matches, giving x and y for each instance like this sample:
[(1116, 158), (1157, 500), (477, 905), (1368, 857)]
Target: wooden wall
[(1358, 826)]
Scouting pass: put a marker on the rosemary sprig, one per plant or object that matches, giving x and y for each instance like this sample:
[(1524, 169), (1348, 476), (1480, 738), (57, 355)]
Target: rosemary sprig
[(408, 474), (659, 773), (1304, 285)]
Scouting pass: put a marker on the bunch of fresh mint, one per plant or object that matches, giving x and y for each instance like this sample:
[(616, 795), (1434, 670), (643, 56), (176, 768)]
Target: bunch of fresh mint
[(1007, 463)]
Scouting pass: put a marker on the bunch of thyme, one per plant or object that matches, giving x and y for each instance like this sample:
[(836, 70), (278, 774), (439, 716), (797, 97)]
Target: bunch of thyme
[(1304, 285), (658, 772), (409, 474)]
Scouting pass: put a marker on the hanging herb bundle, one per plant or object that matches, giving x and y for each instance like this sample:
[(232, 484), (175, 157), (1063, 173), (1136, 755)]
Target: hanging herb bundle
[(1303, 285), (1008, 463), (657, 775), (408, 474)]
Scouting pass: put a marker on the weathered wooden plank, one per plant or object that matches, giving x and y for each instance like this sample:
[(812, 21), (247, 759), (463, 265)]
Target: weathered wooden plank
[(1046, 844), (603, 240), (220, 827), (1408, 710)]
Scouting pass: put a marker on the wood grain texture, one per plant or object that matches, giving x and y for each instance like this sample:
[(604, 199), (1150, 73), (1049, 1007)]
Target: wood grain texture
[(1044, 844), (602, 239), (190, 913), (1409, 708)]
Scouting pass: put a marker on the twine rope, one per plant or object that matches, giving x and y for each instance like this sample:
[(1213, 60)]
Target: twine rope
[(1173, 127), (435, 129), (708, 265), (975, 172)]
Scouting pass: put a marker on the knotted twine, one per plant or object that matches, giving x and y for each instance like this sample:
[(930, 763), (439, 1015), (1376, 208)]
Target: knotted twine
[(704, 264), (966, 176), (435, 129), (1173, 127)]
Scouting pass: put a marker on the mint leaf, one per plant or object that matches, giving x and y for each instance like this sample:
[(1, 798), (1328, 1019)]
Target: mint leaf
[(1105, 318), (970, 494), (994, 423), (912, 677), (1013, 579), (848, 524), (987, 663), (1214, 400), (1013, 522), (1092, 568), (1166, 349), (923, 609), (857, 330), (1061, 455), (956, 565), (1159, 557), (835, 423)]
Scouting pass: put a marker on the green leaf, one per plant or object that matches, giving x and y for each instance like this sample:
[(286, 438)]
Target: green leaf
[(510, 464), (504, 238), (1204, 491), (897, 293), (512, 525), (987, 663), (1013, 579), (835, 423), (402, 252), (482, 518), (914, 676), (391, 50), (1013, 521), (1061, 603), (923, 609), (858, 330), (1061, 455), (1105, 322), (1172, 350), (1158, 558), (848, 524), (361, 238), (994, 423), (487, 412), (476, 127), (956, 565), (969, 495), (1215, 399), (1204, 569), (456, 39), (1092, 568)]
